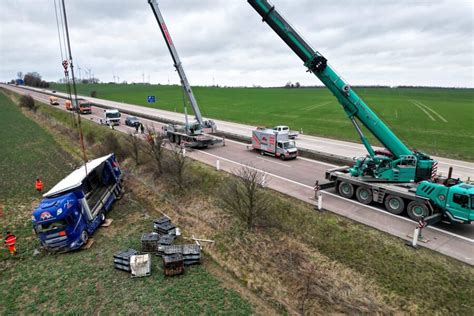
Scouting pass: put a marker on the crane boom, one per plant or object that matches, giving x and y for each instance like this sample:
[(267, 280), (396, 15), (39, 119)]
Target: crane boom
[(177, 62), (419, 166)]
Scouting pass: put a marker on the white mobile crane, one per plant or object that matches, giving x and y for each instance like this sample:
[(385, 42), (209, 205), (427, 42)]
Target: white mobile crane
[(191, 134)]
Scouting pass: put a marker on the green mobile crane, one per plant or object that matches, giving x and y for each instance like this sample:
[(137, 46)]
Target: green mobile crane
[(396, 176)]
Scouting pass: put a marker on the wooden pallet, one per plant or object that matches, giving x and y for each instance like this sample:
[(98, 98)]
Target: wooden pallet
[(89, 244), (107, 222)]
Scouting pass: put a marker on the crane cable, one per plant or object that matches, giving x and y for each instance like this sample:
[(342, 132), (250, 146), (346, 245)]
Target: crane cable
[(69, 63), (60, 39)]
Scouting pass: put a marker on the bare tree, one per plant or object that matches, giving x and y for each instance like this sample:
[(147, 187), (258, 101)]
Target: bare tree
[(177, 167), (155, 148), (244, 196), (135, 146)]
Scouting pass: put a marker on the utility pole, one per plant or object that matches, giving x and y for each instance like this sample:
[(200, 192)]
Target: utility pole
[(143, 77)]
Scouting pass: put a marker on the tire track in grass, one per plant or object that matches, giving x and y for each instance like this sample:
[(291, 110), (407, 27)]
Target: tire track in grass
[(315, 106), (433, 111), (421, 108)]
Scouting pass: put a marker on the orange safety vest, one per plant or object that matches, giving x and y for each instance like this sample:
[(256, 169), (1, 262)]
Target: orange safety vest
[(10, 240), (39, 185)]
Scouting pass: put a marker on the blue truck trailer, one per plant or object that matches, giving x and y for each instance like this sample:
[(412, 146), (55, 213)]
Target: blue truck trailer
[(75, 207)]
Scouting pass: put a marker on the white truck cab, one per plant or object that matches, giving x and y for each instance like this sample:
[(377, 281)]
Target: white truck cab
[(111, 117)]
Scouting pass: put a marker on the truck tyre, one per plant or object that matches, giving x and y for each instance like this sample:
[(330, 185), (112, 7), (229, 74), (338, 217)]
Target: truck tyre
[(171, 136), (262, 153), (416, 210), (346, 190), (102, 217), (364, 195), (394, 204), (84, 237), (282, 157), (178, 140)]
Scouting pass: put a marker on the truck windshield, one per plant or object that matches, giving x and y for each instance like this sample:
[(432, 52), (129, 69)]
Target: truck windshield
[(44, 228), (112, 115), (288, 145)]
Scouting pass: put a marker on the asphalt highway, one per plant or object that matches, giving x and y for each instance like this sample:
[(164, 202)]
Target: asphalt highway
[(297, 177)]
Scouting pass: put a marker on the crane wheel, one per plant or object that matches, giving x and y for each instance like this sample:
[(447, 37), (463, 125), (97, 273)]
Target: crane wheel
[(394, 204), (364, 195), (346, 190), (416, 210)]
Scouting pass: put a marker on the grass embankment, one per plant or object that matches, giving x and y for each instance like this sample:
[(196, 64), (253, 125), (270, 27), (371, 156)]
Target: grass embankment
[(303, 261), (437, 121), (83, 282)]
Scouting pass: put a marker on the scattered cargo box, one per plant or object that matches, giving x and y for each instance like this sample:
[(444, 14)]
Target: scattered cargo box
[(165, 240), (164, 226), (173, 264), (191, 252), (122, 259), (149, 242), (140, 265)]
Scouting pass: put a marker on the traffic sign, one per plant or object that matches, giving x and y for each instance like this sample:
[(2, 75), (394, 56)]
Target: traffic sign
[(151, 99)]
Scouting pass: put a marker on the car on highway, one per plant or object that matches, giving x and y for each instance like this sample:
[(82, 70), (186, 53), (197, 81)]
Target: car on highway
[(132, 121)]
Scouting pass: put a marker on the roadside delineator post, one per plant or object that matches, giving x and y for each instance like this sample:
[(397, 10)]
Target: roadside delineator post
[(318, 196), (264, 179), (417, 233), (218, 165)]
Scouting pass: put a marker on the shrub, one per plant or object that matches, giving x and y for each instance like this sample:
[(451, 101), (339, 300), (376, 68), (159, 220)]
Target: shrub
[(27, 101)]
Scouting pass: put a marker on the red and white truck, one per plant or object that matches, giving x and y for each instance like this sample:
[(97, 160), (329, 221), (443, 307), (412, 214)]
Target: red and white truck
[(273, 143)]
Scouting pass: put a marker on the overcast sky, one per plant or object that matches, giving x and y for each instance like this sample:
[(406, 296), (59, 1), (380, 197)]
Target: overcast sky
[(373, 42)]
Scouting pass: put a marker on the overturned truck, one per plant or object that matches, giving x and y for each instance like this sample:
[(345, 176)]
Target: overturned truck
[(75, 207)]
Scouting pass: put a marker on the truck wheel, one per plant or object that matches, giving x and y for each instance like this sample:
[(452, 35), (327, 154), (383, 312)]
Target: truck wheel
[(262, 153), (364, 195), (282, 157), (178, 140), (84, 237), (417, 210), (346, 190), (171, 137), (394, 204)]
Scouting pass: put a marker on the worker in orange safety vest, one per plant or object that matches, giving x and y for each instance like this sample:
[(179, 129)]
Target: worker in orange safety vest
[(39, 185), (10, 240)]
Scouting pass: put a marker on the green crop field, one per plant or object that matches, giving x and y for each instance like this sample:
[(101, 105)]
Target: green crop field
[(437, 121), (83, 282)]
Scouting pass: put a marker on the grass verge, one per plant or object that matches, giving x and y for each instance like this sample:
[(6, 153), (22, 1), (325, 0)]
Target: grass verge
[(84, 282)]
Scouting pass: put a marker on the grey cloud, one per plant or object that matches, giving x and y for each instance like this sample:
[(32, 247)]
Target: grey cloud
[(368, 41)]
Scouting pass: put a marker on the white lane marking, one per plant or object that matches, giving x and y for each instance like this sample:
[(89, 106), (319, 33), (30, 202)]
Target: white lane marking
[(340, 197), (317, 162), (434, 112), (275, 162), (421, 108)]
